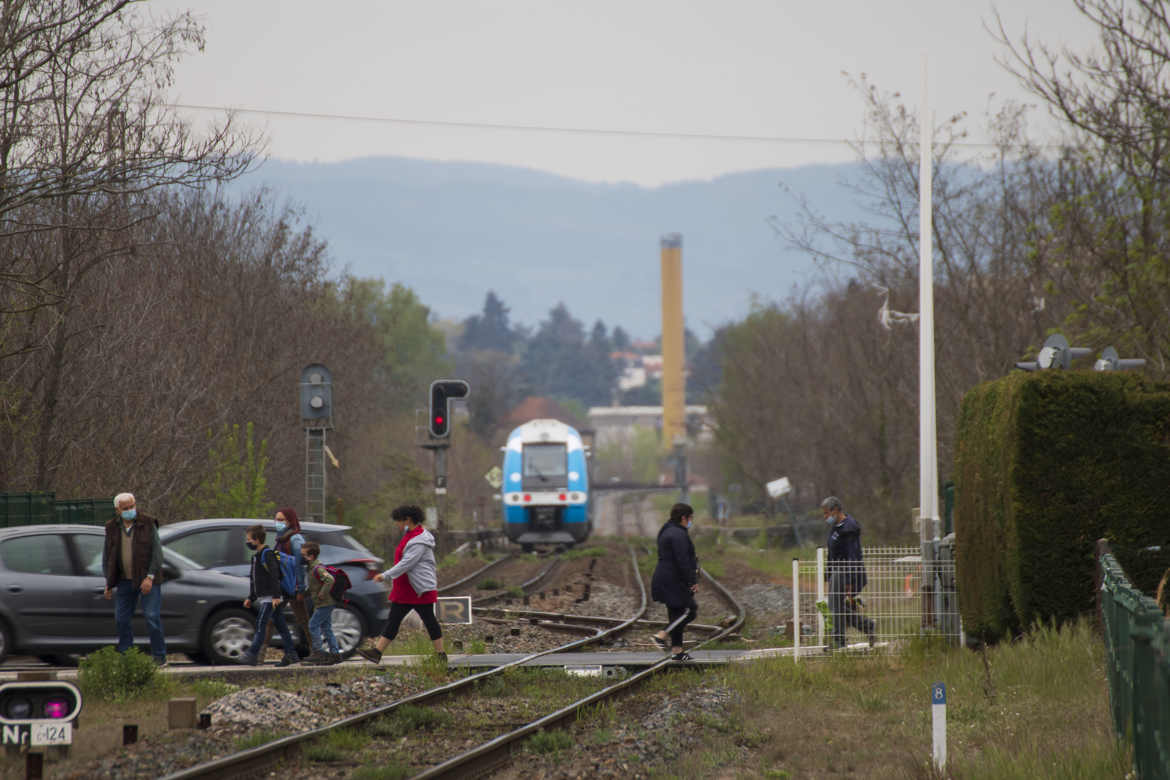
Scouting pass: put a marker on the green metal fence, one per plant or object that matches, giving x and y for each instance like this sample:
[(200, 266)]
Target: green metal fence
[(26, 509), (44, 508), (1137, 660)]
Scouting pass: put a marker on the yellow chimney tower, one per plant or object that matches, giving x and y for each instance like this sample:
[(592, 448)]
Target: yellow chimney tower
[(673, 358)]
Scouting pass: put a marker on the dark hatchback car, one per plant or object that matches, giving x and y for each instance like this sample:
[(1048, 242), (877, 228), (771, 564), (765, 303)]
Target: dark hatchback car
[(52, 603), (218, 544)]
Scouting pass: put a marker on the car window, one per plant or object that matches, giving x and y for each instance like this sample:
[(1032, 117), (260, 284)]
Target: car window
[(212, 548), (354, 544), (178, 560), (90, 548), (39, 554)]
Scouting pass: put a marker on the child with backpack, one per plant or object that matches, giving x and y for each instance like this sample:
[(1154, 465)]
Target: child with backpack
[(321, 583), (265, 578)]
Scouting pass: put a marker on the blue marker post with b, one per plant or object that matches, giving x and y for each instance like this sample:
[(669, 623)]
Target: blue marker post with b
[(938, 717)]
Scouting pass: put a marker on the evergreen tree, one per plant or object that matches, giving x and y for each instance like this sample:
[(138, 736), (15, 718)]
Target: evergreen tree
[(489, 330), (602, 376), (555, 362)]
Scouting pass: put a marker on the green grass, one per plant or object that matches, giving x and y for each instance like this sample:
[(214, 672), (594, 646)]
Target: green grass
[(337, 745), (549, 741), (258, 738), (1042, 712), (211, 689), (408, 718)]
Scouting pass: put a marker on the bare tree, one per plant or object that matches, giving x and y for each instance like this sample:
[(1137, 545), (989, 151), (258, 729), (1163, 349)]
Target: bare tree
[(1106, 242), (84, 138)]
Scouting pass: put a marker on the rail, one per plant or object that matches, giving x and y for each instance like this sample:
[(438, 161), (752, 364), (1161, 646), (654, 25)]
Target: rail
[(497, 751), (254, 759)]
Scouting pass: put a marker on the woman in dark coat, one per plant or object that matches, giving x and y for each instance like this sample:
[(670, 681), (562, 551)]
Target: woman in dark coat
[(676, 578)]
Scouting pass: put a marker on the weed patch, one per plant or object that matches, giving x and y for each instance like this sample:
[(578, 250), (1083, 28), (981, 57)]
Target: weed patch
[(118, 677), (549, 741)]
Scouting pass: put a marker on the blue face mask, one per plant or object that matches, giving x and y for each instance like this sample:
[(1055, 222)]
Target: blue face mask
[(129, 514), (280, 527)]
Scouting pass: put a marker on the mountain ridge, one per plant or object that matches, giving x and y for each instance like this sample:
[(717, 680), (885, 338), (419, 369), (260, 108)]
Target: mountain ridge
[(453, 230)]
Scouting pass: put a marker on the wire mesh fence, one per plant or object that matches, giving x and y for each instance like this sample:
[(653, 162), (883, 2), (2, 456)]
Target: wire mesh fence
[(1137, 649), (892, 596)]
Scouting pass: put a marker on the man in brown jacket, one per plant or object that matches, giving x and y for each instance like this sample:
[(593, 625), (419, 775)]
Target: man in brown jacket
[(132, 562)]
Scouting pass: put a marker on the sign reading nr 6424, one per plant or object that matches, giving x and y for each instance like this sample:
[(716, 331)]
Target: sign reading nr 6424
[(51, 734), (37, 734)]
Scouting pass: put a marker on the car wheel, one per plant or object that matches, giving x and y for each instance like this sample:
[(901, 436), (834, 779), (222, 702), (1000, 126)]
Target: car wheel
[(349, 629), (228, 635)]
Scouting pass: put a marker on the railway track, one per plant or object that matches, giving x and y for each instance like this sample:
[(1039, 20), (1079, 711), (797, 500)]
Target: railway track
[(497, 752), (258, 759)]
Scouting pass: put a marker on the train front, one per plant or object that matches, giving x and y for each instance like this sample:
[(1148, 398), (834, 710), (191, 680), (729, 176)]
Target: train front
[(546, 485)]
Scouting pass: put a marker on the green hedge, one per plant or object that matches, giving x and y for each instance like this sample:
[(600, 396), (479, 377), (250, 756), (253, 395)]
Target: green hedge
[(1047, 463)]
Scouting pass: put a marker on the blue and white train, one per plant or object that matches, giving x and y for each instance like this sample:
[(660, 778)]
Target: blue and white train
[(545, 494)]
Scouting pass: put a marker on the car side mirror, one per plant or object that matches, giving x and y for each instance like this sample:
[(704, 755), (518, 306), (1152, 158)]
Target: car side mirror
[(171, 572)]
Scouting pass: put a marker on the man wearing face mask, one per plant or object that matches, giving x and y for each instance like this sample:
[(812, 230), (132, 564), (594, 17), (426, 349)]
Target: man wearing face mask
[(845, 572), (132, 562)]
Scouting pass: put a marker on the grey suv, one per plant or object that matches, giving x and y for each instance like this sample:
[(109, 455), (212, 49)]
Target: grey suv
[(218, 544), (52, 604)]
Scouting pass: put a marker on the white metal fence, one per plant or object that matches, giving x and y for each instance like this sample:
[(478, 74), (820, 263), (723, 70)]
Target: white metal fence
[(902, 597)]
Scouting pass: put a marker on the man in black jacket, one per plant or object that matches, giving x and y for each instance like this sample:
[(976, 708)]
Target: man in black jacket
[(845, 572)]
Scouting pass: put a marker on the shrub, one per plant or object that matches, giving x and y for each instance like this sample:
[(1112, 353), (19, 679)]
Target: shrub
[(113, 676), (1046, 464)]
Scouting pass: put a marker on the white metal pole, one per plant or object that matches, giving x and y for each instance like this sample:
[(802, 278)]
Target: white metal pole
[(795, 609), (927, 447), (820, 594)]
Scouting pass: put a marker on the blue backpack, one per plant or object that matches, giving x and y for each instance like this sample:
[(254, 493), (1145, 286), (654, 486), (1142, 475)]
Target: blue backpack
[(288, 572)]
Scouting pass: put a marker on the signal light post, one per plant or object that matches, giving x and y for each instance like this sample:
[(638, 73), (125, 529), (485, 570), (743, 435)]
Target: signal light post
[(442, 393)]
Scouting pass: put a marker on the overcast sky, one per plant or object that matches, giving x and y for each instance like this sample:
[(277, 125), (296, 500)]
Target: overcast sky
[(734, 67)]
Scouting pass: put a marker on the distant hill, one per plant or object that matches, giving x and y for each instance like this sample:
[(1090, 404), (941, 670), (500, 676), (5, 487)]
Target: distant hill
[(453, 230)]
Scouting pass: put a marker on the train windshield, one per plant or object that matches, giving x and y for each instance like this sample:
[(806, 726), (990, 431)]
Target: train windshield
[(545, 463)]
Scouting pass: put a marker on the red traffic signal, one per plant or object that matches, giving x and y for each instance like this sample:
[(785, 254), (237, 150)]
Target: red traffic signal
[(442, 392)]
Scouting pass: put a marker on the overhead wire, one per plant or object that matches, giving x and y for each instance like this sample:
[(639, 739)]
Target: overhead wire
[(535, 128)]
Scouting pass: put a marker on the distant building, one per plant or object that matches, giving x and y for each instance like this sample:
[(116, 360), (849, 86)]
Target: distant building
[(539, 408), (635, 369), (616, 424)]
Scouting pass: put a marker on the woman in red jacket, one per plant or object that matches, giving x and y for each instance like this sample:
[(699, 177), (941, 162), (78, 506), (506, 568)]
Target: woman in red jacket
[(415, 583)]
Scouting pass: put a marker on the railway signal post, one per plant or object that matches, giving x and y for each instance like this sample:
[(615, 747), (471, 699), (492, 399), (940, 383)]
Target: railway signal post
[(442, 393)]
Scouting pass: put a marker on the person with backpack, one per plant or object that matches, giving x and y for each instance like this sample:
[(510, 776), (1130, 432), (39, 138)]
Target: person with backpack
[(321, 582), (265, 581), (289, 541), (415, 583)]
